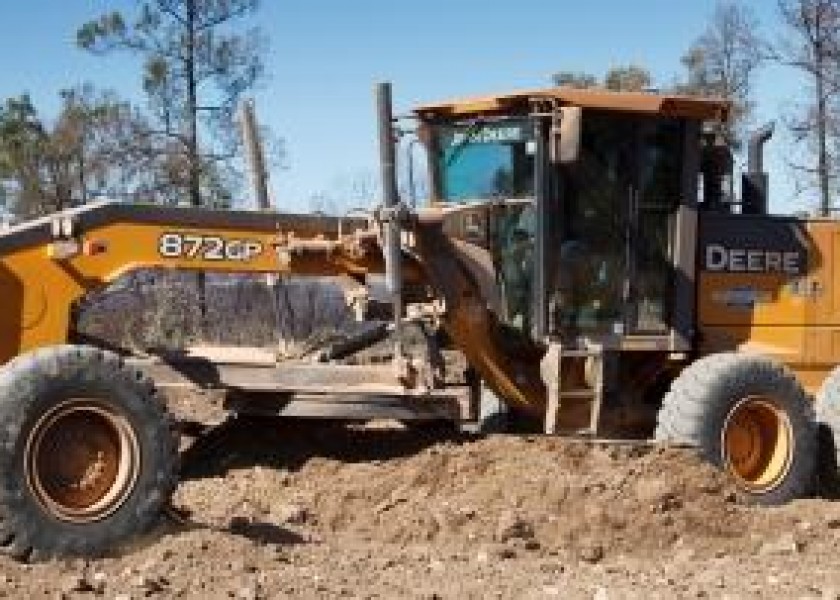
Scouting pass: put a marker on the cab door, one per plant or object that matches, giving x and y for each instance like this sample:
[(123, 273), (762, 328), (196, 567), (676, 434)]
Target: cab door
[(655, 199), (612, 228), (587, 233)]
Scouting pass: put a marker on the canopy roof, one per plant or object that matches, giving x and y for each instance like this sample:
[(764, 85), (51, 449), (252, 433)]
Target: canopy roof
[(706, 109)]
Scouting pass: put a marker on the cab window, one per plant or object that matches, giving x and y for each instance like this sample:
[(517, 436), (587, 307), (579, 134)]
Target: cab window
[(485, 160)]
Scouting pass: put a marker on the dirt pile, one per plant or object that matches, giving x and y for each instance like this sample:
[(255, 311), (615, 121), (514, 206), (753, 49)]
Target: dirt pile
[(268, 510), (543, 493)]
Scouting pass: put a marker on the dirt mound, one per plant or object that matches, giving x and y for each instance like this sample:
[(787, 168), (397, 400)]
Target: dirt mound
[(299, 510), (384, 485)]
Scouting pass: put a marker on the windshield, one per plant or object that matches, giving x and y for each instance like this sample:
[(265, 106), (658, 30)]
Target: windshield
[(484, 160)]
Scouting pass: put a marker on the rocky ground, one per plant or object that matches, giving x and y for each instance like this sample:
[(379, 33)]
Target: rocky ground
[(271, 510)]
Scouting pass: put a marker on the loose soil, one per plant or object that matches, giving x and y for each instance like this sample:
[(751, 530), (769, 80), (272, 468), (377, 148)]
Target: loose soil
[(293, 509)]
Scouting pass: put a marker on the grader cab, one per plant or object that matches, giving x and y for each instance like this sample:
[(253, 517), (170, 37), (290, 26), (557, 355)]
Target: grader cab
[(612, 241), (581, 259)]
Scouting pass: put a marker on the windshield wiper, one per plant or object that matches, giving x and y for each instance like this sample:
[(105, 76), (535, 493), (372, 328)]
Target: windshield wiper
[(469, 135)]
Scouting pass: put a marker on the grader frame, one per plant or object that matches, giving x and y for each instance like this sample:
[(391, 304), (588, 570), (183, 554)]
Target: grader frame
[(565, 256)]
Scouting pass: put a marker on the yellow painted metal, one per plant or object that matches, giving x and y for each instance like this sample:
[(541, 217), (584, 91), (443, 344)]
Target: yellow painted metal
[(38, 291), (654, 104), (795, 317)]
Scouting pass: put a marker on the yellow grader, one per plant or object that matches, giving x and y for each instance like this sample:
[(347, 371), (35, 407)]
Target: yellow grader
[(581, 260)]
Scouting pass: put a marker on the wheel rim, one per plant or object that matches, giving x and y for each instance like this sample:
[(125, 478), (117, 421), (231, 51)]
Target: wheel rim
[(757, 442), (81, 460)]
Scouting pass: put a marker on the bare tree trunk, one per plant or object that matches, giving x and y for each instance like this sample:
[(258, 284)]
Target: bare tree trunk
[(83, 191), (192, 147), (192, 109), (812, 48), (822, 134)]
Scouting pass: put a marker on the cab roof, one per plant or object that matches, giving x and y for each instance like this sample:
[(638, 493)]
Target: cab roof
[(691, 107)]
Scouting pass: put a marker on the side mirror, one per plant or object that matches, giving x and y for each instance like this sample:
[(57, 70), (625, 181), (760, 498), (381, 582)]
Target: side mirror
[(565, 135)]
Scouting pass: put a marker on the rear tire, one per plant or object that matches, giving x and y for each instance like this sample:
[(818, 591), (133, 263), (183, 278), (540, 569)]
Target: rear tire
[(749, 416), (88, 453)]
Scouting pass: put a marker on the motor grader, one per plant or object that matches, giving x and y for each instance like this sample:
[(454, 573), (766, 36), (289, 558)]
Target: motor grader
[(581, 258)]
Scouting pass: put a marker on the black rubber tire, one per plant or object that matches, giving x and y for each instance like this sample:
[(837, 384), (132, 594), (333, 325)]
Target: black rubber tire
[(30, 386), (828, 419), (695, 410)]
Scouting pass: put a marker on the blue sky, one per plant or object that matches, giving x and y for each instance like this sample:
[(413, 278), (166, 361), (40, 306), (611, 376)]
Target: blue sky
[(326, 55)]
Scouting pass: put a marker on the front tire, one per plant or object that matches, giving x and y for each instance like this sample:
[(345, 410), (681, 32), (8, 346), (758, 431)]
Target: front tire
[(749, 416), (88, 454)]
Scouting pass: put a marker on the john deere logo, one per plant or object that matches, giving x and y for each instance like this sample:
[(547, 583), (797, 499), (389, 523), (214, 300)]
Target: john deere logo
[(743, 260)]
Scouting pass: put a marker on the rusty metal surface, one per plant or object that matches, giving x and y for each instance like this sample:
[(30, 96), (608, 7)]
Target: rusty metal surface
[(186, 371), (81, 461), (261, 387), (468, 320)]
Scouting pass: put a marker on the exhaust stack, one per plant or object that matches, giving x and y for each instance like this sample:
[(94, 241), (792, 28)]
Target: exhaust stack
[(754, 183), (390, 213)]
